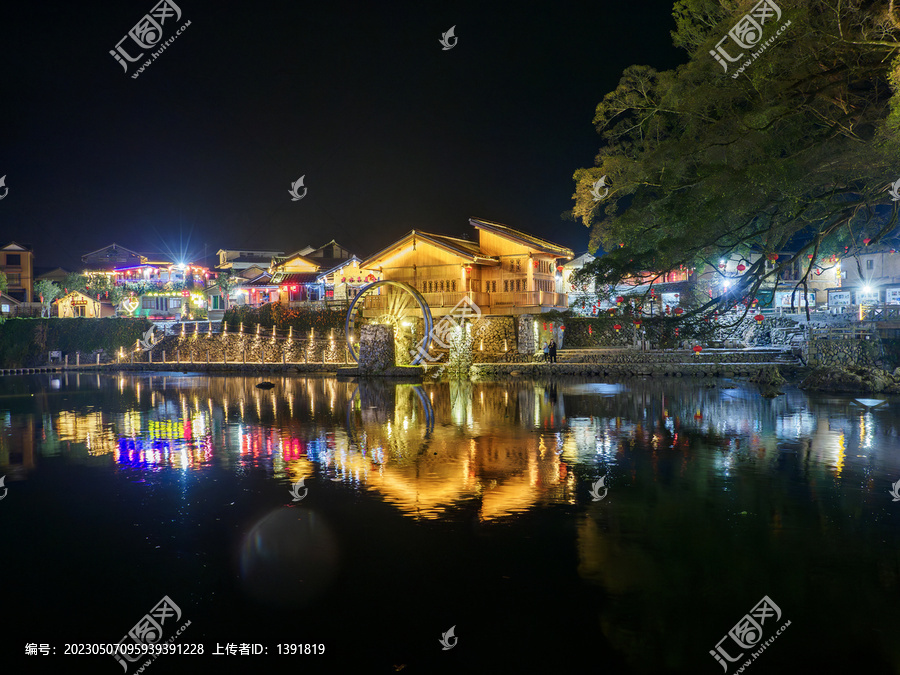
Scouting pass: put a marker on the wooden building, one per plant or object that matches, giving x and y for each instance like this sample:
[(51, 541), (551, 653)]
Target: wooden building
[(328, 274), (504, 271)]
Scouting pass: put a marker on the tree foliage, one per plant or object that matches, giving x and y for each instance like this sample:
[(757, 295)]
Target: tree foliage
[(46, 292), (797, 152), (226, 281)]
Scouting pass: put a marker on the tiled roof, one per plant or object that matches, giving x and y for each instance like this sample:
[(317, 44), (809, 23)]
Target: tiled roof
[(527, 239), (296, 278)]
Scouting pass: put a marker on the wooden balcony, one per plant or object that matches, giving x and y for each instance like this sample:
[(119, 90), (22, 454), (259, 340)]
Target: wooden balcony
[(488, 303)]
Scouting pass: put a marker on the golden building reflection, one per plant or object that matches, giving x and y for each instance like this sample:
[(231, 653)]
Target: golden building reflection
[(495, 448)]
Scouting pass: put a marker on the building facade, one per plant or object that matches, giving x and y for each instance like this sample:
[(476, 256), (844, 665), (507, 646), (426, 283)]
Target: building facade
[(504, 271), (17, 262)]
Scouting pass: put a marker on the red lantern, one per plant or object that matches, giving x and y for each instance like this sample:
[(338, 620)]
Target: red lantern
[(590, 330), (772, 257), (698, 415), (668, 309), (741, 267), (759, 318), (545, 325), (535, 263), (722, 265), (676, 332), (620, 300), (866, 241), (617, 328), (559, 268), (809, 255), (679, 311), (637, 322), (697, 349), (612, 311), (343, 279), (562, 327), (184, 294), (468, 269)]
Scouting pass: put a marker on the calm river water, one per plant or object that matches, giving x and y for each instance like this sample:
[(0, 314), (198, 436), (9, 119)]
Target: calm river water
[(475, 507)]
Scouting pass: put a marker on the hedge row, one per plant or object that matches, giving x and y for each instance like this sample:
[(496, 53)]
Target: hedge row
[(26, 342)]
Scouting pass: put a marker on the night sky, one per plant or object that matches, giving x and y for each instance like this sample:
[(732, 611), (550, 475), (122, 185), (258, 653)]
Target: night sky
[(391, 132)]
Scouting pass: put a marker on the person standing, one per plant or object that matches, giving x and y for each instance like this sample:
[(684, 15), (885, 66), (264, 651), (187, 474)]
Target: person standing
[(546, 351), (552, 349)]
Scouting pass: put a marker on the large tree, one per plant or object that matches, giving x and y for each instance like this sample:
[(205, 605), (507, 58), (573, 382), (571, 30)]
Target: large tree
[(796, 151)]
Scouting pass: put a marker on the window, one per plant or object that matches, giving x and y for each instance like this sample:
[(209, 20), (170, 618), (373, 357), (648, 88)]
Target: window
[(148, 303), (494, 286), (518, 288), (14, 259), (14, 278), (505, 285), (441, 282), (870, 264), (518, 266), (454, 285), (174, 303)]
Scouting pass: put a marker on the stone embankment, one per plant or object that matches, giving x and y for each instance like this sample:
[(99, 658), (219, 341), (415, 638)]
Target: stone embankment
[(853, 380), (248, 368), (761, 363)]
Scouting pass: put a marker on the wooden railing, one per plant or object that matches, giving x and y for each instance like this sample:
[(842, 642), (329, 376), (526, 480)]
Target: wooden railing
[(529, 299), (843, 333), (881, 313)]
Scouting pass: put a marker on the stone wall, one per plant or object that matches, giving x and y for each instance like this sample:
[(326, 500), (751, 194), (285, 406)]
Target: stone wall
[(376, 348), (525, 330), (236, 348), (494, 334), (843, 352)]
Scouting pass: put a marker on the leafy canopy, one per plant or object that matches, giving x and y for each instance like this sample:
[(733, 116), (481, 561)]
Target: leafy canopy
[(795, 153)]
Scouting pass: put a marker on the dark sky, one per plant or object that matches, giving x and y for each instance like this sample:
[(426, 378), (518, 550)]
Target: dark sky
[(391, 132)]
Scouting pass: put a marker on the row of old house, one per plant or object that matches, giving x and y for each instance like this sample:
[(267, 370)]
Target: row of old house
[(503, 270)]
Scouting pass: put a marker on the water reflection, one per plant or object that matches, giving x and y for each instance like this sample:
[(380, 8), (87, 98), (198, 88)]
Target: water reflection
[(427, 449), (716, 495)]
